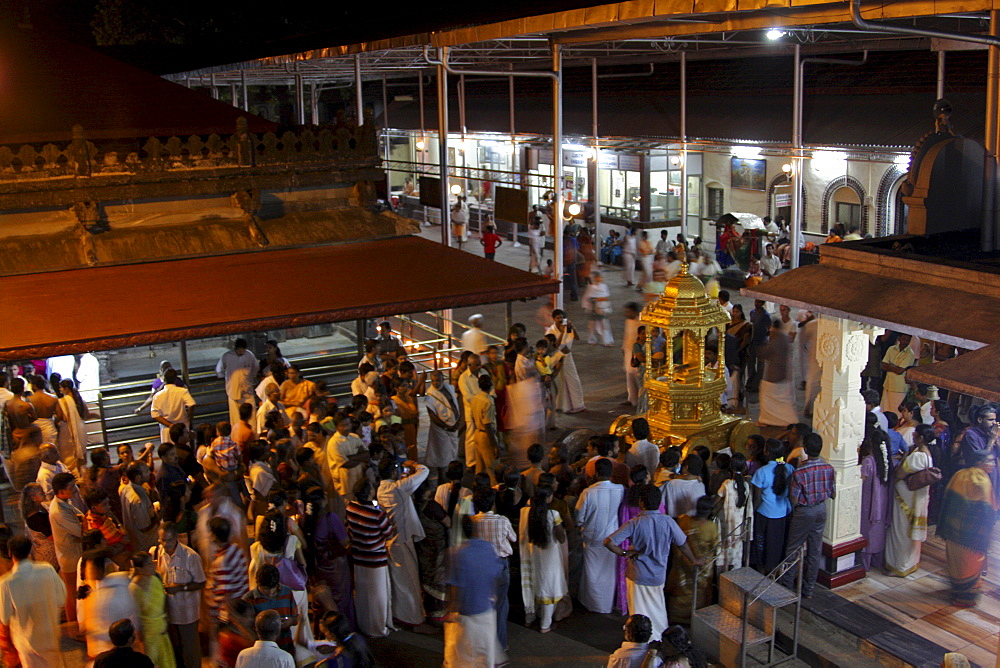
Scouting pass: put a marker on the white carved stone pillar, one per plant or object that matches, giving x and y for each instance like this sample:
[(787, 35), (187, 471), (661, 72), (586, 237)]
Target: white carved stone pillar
[(839, 417)]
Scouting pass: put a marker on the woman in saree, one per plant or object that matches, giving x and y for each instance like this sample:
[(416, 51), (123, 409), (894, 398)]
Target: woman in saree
[(968, 512), (72, 432), (703, 538), (147, 590), (873, 455), (543, 574), (909, 508), (736, 513), (743, 331)]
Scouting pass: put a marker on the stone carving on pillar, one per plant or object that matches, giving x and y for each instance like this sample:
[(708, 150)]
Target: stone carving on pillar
[(92, 221), (839, 414)]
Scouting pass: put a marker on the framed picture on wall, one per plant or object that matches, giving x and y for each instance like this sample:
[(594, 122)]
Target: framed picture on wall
[(749, 174)]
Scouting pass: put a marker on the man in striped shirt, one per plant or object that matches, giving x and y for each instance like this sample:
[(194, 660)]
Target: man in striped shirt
[(270, 594), (496, 530), (227, 572)]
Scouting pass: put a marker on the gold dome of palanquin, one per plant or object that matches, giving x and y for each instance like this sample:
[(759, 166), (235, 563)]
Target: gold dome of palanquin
[(683, 388)]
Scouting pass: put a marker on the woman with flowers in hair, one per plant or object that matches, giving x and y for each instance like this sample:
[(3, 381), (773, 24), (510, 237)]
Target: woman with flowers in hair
[(873, 456)]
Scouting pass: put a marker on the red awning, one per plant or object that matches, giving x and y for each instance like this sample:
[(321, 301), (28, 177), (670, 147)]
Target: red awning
[(102, 308)]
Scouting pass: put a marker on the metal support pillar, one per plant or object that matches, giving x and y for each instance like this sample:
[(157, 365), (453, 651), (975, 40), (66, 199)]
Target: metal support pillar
[(798, 163), (314, 103), (442, 104), (942, 57), (246, 94), (359, 334), (232, 95), (359, 100), (388, 143), (184, 365), (594, 128), (300, 100), (992, 138), (557, 166), (684, 152), (215, 91)]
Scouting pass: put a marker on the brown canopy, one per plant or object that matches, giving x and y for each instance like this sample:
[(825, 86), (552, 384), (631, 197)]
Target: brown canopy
[(101, 308)]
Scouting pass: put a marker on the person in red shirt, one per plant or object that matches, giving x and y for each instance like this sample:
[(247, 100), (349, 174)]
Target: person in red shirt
[(491, 241)]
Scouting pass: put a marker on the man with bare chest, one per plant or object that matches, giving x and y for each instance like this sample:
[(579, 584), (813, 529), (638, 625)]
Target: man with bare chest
[(47, 410), (22, 467)]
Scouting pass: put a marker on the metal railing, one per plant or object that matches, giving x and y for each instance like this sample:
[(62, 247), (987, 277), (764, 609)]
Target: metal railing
[(428, 348), (742, 533)]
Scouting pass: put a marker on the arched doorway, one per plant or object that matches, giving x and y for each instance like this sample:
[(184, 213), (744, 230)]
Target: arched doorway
[(844, 202)]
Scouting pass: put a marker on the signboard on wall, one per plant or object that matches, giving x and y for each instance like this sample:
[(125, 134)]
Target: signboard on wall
[(631, 163), (574, 159), (607, 160), (511, 205), (782, 200)]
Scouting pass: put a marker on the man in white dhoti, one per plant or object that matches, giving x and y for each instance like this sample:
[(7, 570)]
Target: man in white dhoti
[(536, 246), (468, 386), (597, 517), (569, 391), (597, 300), (651, 535), (395, 497), (777, 399), (47, 409), (629, 247), (810, 369), (633, 381), (442, 433), (475, 575), (474, 340), (526, 403), (31, 595), (239, 368), (895, 362), (88, 377)]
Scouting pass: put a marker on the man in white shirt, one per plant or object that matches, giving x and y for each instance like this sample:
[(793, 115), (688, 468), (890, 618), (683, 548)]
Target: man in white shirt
[(638, 630), (183, 577), (468, 386), (49, 469), (473, 339), (395, 497), (770, 264), (724, 301), (5, 394), (642, 451), (265, 653), (108, 601), (138, 515), (365, 382), (597, 517), (272, 404), (172, 404), (31, 595), (895, 362), (67, 534), (345, 454), (239, 368), (871, 404)]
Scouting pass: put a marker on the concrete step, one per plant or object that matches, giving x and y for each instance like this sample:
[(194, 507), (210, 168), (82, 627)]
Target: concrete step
[(739, 581), (717, 632)]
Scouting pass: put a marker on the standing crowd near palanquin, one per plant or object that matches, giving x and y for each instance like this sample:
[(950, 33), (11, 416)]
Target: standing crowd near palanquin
[(435, 501)]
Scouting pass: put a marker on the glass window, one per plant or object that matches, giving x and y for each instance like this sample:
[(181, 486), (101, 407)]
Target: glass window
[(716, 205)]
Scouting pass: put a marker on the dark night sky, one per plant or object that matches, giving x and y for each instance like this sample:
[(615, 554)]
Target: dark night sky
[(175, 35)]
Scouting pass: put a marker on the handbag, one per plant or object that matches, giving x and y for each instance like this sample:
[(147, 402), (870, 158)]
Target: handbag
[(923, 478), (290, 573)]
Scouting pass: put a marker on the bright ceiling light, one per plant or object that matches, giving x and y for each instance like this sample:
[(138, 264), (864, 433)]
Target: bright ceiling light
[(573, 209), (774, 34), (456, 189), (902, 159), (746, 152), (421, 144)]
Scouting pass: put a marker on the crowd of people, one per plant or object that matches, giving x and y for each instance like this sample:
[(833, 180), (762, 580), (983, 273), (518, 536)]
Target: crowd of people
[(302, 527)]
